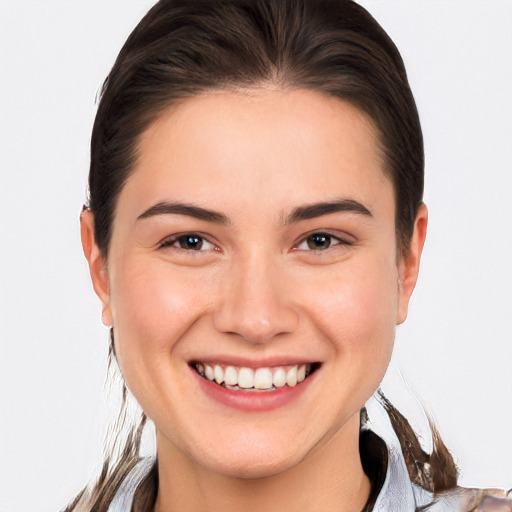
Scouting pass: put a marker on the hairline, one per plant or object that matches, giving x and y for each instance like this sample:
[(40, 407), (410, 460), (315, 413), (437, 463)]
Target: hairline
[(159, 109)]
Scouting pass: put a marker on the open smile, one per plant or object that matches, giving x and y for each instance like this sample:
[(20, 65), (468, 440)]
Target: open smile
[(261, 379)]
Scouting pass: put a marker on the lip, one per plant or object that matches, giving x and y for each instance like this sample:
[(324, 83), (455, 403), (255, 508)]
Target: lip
[(252, 401), (252, 363)]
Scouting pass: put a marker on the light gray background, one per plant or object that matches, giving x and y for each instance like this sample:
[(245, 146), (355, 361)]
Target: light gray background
[(455, 351)]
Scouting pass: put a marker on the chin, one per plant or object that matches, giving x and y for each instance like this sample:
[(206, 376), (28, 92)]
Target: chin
[(250, 459), (253, 467)]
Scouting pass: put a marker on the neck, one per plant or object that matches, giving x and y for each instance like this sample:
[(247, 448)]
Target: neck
[(329, 478)]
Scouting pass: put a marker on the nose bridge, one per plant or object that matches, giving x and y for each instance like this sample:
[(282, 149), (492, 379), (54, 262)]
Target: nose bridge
[(254, 303)]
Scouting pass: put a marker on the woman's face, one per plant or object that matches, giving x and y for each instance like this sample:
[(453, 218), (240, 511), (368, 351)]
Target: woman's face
[(255, 242)]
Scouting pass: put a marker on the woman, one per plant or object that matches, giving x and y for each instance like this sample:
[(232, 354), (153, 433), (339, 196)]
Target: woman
[(254, 232)]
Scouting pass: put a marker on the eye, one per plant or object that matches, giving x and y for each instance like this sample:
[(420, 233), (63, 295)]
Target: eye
[(189, 242), (320, 242)]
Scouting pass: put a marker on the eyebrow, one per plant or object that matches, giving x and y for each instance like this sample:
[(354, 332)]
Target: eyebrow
[(170, 208), (318, 209), (298, 214)]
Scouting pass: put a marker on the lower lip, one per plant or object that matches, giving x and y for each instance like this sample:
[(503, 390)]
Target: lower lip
[(252, 401)]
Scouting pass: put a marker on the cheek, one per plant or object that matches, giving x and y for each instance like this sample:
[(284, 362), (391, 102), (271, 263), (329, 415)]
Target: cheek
[(357, 310), (152, 306)]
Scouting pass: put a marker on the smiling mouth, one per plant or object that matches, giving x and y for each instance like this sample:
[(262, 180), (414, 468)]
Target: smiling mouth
[(264, 379)]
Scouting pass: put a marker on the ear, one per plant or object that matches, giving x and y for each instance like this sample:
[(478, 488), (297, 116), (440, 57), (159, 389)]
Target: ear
[(97, 264), (409, 264)]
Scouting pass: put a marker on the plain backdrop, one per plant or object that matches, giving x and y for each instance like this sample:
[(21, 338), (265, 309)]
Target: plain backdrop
[(453, 355)]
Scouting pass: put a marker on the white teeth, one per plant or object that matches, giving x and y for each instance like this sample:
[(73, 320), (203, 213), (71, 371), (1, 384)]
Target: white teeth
[(230, 376), (208, 371), (279, 378), (263, 378), (245, 378), (267, 378), (218, 374), (291, 376)]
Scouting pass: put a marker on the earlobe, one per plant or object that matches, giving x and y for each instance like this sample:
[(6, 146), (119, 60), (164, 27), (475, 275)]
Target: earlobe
[(409, 264), (97, 264)]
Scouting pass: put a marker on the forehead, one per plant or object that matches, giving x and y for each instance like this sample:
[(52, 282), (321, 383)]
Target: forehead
[(270, 147)]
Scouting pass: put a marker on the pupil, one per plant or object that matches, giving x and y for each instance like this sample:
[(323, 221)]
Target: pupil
[(191, 242), (319, 241)]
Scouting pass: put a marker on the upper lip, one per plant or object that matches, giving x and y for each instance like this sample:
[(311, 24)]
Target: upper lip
[(254, 363)]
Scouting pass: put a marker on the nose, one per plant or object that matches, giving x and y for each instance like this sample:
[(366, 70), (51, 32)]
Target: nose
[(254, 303)]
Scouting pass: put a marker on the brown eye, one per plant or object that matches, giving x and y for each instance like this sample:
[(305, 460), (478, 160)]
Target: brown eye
[(190, 242), (319, 241)]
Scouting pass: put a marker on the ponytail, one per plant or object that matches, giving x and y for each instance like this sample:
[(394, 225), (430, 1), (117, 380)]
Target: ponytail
[(435, 472)]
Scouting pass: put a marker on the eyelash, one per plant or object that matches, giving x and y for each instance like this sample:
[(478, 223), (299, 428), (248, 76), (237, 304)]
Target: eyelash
[(171, 242), (326, 235)]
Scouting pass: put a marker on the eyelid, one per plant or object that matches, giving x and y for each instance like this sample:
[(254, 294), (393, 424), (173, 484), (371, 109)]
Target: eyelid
[(343, 239), (169, 241)]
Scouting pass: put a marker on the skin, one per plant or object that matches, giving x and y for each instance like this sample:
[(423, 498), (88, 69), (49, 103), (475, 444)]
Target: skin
[(256, 291)]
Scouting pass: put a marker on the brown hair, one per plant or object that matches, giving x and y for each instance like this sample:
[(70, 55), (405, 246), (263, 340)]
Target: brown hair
[(183, 48)]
